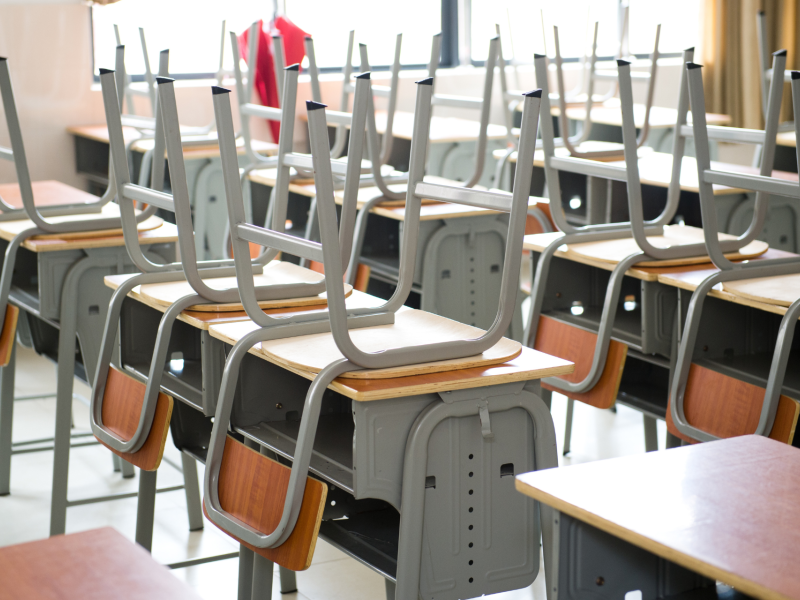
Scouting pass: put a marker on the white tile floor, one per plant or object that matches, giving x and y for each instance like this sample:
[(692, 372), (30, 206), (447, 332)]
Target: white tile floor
[(24, 515)]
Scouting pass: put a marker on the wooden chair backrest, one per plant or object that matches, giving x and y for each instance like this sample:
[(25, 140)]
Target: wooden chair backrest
[(577, 345), (252, 488), (122, 407), (728, 407)]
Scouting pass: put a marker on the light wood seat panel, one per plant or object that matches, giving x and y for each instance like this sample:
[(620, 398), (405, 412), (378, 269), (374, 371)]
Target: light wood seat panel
[(312, 353), (275, 273), (727, 407), (252, 488), (577, 345)]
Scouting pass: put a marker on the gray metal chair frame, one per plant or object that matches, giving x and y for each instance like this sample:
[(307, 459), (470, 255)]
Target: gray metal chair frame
[(338, 318), (40, 224), (637, 226), (764, 185), (189, 268), (766, 70), (572, 142), (482, 104)]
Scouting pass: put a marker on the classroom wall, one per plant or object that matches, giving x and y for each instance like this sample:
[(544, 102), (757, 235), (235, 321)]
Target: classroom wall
[(48, 45)]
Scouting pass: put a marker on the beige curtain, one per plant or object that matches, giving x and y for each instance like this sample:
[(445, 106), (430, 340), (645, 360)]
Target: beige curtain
[(730, 55)]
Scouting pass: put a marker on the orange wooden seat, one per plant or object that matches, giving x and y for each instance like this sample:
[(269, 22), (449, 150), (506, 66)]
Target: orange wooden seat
[(92, 565), (122, 406), (577, 345), (362, 274), (252, 488), (9, 334), (727, 407)]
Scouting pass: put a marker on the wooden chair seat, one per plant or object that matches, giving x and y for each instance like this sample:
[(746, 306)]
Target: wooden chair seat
[(781, 290), (363, 273), (8, 335), (276, 272), (91, 565), (727, 407), (577, 345), (122, 406), (252, 488), (613, 251), (311, 353)]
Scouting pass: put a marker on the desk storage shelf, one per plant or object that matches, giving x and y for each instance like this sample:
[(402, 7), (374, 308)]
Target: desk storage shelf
[(644, 316)]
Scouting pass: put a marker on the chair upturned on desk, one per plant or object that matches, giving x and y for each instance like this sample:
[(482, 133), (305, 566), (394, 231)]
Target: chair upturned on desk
[(361, 443), (460, 255), (604, 201), (203, 174), (673, 523), (735, 341), (58, 288)]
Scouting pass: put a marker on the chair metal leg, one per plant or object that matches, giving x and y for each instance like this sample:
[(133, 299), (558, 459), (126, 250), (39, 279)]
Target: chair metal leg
[(673, 441), (263, 571), (115, 463), (128, 471), (650, 433), (390, 587), (568, 427), (6, 421), (288, 580), (191, 486), (146, 509), (245, 573)]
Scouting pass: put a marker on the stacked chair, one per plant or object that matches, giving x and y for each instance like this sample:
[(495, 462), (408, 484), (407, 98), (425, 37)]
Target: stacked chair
[(596, 380)]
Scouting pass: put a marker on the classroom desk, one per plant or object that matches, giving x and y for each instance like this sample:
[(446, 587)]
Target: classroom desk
[(203, 172), (667, 523), (58, 286), (362, 439), (378, 446)]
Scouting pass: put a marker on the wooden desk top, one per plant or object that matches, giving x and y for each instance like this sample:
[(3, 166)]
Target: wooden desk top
[(205, 319), (610, 114), (99, 133), (90, 565), (529, 364), (612, 251), (46, 193), (689, 277), (268, 177), (152, 231), (443, 129), (725, 509), (788, 139)]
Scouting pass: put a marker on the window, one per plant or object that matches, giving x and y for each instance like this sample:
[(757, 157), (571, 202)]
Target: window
[(193, 35), (521, 25), (680, 25)]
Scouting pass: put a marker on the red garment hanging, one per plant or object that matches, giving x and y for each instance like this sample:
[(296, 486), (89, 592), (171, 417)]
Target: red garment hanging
[(265, 82)]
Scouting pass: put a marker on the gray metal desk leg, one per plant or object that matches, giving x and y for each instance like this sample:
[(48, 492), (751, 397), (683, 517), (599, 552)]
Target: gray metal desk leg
[(568, 428), (390, 589), (6, 421), (123, 466), (245, 573), (650, 433), (146, 509), (415, 471), (288, 580), (191, 486), (263, 570), (128, 472), (65, 374)]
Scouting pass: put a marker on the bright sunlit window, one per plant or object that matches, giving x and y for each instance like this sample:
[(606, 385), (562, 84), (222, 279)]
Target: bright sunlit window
[(522, 23), (193, 36)]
